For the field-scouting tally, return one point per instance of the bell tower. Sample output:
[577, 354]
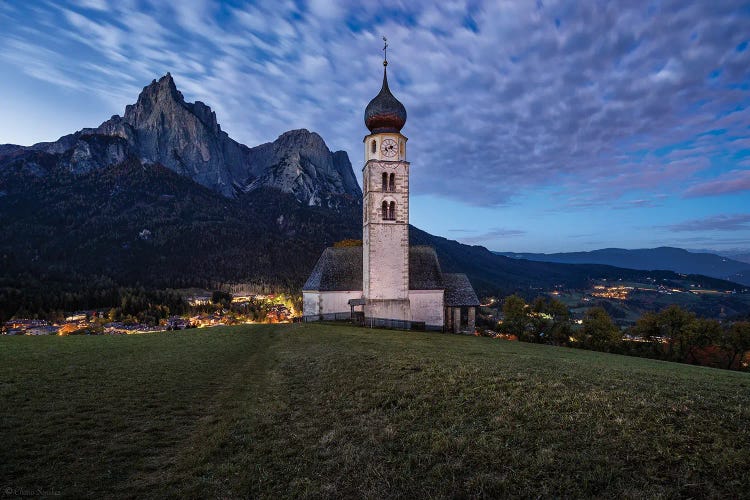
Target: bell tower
[385, 207]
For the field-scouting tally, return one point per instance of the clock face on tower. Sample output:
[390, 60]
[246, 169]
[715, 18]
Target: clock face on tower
[389, 148]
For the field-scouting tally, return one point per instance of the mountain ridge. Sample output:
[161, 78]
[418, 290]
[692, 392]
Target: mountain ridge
[161, 127]
[665, 258]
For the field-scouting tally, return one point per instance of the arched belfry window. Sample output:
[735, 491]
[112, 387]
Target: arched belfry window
[388, 210]
[389, 182]
[373, 147]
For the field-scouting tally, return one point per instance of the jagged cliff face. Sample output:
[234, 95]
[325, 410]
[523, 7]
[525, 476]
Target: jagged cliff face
[186, 138]
[299, 162]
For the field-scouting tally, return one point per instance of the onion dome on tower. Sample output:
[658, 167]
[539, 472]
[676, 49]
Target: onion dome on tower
[385, 113]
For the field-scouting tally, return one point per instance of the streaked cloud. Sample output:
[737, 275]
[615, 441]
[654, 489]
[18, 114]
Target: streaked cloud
[518, 94]
[491, 235]
[731, 182]
[729, 222]
[599, 105]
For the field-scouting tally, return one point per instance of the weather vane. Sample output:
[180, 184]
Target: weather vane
[385, 51]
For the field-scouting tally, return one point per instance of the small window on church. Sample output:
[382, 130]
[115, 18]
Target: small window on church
[385, 210]
[392, 211]
[373, 147]
[385, 181]
[392, 183]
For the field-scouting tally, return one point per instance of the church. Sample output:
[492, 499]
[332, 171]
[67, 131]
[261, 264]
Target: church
[386, 281]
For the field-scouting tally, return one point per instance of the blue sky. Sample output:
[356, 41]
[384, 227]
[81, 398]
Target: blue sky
[533, 126]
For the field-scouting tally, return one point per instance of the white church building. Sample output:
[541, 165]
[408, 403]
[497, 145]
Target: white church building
[386, 281]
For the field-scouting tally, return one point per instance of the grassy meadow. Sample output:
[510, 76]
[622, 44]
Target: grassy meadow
[333, 411]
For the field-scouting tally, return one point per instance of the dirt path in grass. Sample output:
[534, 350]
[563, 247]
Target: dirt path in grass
[183, 469]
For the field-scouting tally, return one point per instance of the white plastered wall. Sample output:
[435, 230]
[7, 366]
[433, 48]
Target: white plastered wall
[336, 302]
[427, 306]
[310, 303]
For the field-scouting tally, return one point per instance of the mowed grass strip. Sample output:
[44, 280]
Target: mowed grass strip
[333, 411]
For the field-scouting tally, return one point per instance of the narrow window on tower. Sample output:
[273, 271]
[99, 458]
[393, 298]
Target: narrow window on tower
[385, 210]
[402, 149]
[385, 181]
[373, 147]
[392, 183]
[392, 211]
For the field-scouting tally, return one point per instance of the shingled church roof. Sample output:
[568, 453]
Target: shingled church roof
[340, 269]
[458, 291]
[424, 269]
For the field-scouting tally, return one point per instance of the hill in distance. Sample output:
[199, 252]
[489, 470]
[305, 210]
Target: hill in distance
[667, 258]
[487, 269]
[742, 255]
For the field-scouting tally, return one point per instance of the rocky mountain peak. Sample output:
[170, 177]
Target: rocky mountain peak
[300, 137]
[205, 114]
[155, 96]
[307, 143]
[161, 127]
[299, 162]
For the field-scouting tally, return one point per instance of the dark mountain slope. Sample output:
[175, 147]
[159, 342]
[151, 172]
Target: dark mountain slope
[144, 224]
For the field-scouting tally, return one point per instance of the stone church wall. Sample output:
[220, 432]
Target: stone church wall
[388, 267]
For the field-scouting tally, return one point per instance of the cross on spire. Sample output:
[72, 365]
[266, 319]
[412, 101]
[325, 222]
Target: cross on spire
[385, 51]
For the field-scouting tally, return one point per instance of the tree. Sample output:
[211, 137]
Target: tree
[672, 327]
[561, 328]
[222, 298]
[647, 327]
[699, 334]
[561, 332]
[539, 322]
[348, 243]
[515, 316]
[598, 331]
[736, 341]
[676, 325]
[548, 322]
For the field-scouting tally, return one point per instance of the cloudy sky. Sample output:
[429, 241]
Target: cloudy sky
[533, 126]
